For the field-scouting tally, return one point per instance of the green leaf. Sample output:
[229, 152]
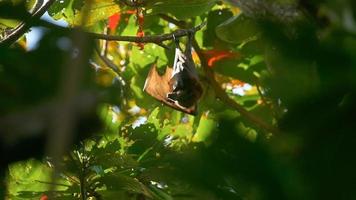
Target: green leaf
[237, 29]
[144, 137]
[205, 130]
[31, 176]
[73, 11]
[144, 58]
[65, 9]
[246, 132]
[181, 9]
[230, 68]
[215, 18]
[129, 27]
[122, 182]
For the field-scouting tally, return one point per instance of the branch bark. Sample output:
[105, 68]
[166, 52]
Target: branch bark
[150, 38]
[21, 29]
[34, 20]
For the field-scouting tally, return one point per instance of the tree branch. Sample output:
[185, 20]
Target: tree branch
[21, 29]
[150, 38]
[157, 39]
[107, 62]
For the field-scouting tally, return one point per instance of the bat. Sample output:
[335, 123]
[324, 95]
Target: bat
[179, 87]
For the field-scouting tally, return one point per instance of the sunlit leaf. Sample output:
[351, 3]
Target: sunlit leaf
[181, 9]
[237, 29]
[77, 12]
[205, 131]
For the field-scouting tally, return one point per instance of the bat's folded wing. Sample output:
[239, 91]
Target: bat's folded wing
[158, 87]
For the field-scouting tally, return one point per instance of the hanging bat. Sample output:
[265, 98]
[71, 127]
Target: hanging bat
[179, 87]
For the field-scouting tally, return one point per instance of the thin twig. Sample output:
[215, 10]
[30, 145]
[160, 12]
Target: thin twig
[112, 66]
[104, 49]
[163, 45]
[107, 62]
[150, 38]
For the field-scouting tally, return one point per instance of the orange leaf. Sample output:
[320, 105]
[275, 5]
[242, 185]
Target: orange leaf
[140, 32]
[114, 21]
[44, 197]
[237, 82]
[131, 12]
[216, 55]
[140, 19]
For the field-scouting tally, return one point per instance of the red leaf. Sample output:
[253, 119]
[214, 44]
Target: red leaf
[114, 21]
[140, 19]
[216, 55]
[131, 12]
[140, 32]
[44, 197]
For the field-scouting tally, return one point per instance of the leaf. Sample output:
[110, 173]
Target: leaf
[217, 55]
[114, 20]
[144, 137]
[73, 11]
[122, 182]
[237, 29]
[65, 9]
[153, 118]
[12, 12]
[145, 57]
[247, 132]
[230, 69]
[205, 130]
[152, 25]
[130, 28]
[181, 9]
[29, 176]
[215, 18]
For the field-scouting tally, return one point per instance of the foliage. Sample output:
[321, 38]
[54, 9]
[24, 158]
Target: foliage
[276, 120]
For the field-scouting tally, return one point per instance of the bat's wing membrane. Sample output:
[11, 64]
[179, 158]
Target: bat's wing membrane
[158, 87]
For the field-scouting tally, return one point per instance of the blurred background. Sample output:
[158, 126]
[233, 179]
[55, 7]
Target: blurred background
[276, 119]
